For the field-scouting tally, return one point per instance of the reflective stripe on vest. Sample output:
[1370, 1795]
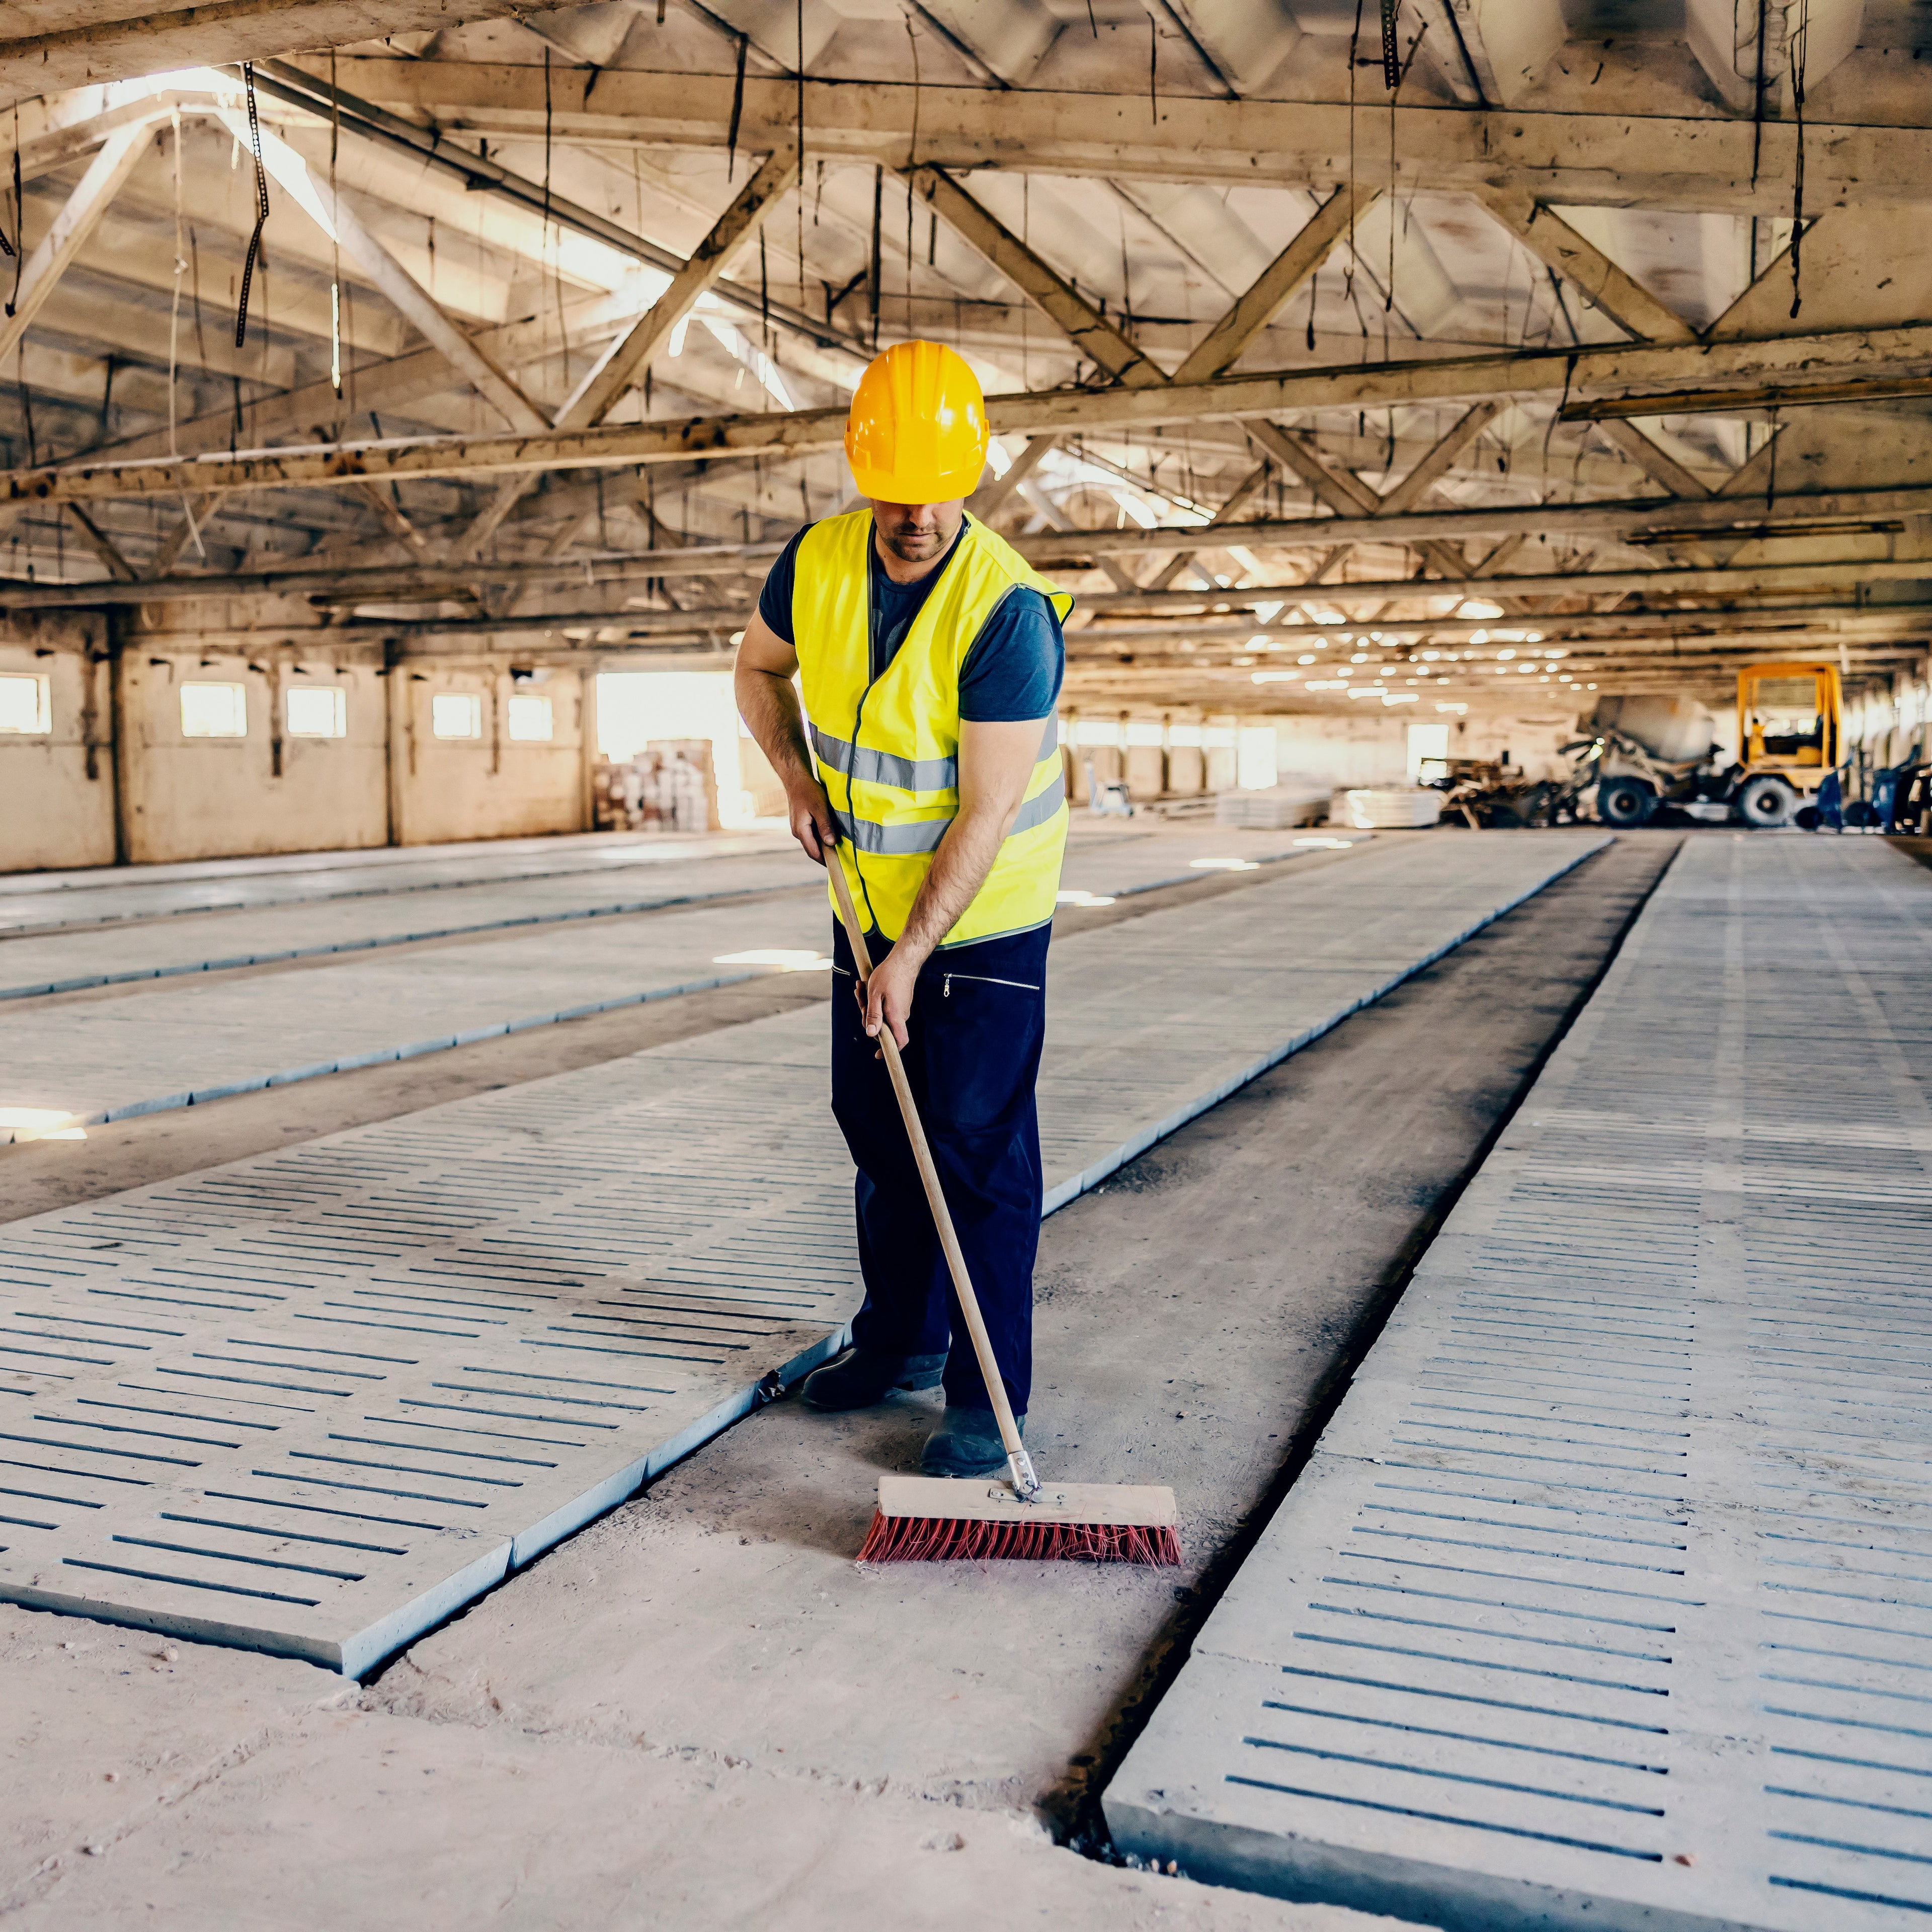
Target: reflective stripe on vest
[909, 774]
[887, 748]
[923, 835]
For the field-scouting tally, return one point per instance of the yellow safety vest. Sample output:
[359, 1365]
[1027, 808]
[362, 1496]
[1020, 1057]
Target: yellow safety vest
[888, 750]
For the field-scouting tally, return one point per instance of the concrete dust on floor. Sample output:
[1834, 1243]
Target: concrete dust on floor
[355, 1818]
[105, 1729]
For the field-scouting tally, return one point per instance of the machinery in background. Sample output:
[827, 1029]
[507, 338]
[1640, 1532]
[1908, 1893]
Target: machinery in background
[1649, 752]
[1488, 794]
[1791, 731]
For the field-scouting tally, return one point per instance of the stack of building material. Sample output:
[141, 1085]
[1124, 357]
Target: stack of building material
[1294, 801]
[1392, 807]
[668, 787]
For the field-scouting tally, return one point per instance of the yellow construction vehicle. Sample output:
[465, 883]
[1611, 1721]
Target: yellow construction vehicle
[1790, 733]
[1649, 753]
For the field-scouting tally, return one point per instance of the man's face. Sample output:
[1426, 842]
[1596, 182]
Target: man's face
[918, 532]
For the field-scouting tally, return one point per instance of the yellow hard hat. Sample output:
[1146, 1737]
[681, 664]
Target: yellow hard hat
[917, 431]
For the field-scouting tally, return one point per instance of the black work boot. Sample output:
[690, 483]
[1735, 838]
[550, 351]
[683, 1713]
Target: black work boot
[861, 1377]
[967, 1443]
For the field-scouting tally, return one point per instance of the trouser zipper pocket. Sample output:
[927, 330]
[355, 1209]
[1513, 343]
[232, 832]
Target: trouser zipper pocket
[981, 979]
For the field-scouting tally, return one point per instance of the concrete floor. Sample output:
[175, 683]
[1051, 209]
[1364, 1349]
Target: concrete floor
[699, 1711]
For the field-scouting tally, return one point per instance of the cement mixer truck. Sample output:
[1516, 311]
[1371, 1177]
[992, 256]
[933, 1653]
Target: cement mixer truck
[1650, 753]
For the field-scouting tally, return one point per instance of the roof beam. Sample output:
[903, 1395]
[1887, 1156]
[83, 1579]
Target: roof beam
[1803, 629]
[1346, 494]
[103, 545]
[1656, 463]
[365, 120]
[71, 228]
[609, 379]
[1612, 370]
[127, 43]
[390, 384]
[1621, 159]
[1016, 472]
[186, 529]
[410, 299]
[1277, 285]
[1426, 474]
[398, 524]
[355, 584]
[1083, 324]
[1552, 240]
[1232, 505]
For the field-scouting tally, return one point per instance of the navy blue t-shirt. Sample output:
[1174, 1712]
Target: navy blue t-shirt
[1013, 671]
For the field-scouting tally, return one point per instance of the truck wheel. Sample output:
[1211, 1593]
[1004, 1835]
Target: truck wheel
[1625, 802]
[1766, 800]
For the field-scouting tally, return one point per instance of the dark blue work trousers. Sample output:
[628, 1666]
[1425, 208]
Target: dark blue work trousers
[979, 1019]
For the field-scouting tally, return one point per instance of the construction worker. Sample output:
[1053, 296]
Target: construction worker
[926, 761]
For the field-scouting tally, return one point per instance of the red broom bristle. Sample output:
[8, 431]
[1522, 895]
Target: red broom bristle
[920, 1539]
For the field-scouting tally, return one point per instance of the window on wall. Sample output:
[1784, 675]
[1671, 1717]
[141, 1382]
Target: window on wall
[318, 711]
[531, 720]
[456, 714]
[1428, 753]
[1254, 757]
[214, 711]
[26, 707]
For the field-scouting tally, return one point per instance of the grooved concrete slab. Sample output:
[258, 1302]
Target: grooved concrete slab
[48, 902]
[157, 1047]
[315, 914]
[180, 1041]
[314, 928]
[1605, 1600]
[313, 1401]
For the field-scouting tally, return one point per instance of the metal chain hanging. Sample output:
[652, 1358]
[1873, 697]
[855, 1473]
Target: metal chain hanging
[1391, 54]
[261, 205]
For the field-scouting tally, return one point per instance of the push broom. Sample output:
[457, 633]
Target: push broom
[929, 1518]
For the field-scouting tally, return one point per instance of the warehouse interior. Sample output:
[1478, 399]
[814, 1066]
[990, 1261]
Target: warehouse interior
[1486, 1111]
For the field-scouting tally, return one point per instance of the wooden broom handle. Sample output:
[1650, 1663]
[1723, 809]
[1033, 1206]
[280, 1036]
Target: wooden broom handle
[1025, 1483]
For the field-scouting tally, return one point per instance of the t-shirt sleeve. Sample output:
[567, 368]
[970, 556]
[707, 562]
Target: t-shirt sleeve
[1014, 670]
[775, 599]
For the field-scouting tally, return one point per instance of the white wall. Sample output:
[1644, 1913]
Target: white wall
[211, 798]
[1889, 724]
[160, 795]
[493, 787]
[1367, 749]
[57, 789]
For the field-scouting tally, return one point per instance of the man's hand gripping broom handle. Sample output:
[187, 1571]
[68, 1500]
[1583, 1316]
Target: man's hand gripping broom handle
[1026, 1484]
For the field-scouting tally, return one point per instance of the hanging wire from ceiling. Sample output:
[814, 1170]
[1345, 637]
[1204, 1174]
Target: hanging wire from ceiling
[261, 210]
[1798, 53]
[737, 111]
[335, 245]
[174, 332]
[17, 247]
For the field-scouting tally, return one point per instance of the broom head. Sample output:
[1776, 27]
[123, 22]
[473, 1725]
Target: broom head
[928, 1519]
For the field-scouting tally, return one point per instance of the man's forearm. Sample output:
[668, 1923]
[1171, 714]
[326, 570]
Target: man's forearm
[958, 870]
[769, 705]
